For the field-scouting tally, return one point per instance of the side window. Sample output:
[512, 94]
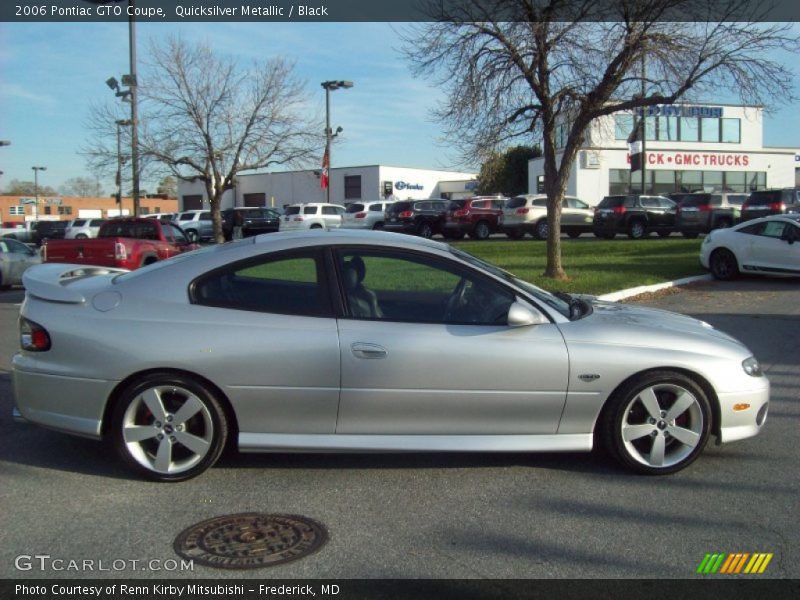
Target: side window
[773, 229]
[376, 208]
[206, 216]
[666, 203]
[575, 203]
[716, 200]
[18, 248]
[650, 202]
[287, 284]
[629, 202]
[331, 210]
[498, 204]
[406, 287]
[177, 234]
[309, 210]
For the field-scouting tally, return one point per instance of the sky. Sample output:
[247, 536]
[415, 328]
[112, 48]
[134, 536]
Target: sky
[52, 73]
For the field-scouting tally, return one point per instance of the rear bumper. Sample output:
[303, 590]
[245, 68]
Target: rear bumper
[68, 404]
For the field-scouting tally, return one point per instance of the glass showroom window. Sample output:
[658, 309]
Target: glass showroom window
[731, 130]
[689, 181]
[667, 128]
[664, 182]
[735, 181]
[709, 130]
[712, 180]
[690, 131]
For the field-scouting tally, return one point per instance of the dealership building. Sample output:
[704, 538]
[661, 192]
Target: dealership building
[688, 148]
[347, 185]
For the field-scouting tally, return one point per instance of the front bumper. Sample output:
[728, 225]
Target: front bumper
[745, 422]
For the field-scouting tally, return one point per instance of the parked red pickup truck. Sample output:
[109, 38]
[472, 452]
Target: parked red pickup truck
[122, 243]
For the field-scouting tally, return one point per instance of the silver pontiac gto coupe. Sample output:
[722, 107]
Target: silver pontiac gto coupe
[324, 341]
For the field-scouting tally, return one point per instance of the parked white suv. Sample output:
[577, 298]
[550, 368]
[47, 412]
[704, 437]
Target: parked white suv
[365, 215]
[196, 224]
[81, 229]
[314, 215]
[528, 214]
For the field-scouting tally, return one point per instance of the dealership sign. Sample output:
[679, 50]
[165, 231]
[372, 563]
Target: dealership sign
[670, 110]
[696, 159]
[402, 185]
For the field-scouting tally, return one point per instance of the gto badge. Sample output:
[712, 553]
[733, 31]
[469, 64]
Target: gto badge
[587, 377]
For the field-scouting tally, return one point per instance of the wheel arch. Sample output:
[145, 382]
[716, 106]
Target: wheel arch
[116, 394]
[701, 381]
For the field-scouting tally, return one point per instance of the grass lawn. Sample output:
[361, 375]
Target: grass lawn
[595, 266]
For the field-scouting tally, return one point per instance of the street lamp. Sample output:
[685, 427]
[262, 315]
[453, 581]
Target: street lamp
[5, 143]
[36, 190]
[330, 86]
[120, 123]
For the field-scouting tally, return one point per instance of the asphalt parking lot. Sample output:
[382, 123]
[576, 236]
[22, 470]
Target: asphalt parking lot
[434, 515]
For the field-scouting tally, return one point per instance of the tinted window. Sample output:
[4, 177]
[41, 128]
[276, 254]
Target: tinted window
[399, 286]
[540, 202]
[331, 210]
[206, 216]
[354, 208]
[650, 203]
[309, 210]
[292, 210]
[456, 204]
[78, 223]
[96, 222]
[132, 229]
[289, 284]
[186, 216]
[736, 199]
[764, 198]
[400, 206]
[611, 201]
[691, 200]
[376, 208]
[517, 202]
[575, 203]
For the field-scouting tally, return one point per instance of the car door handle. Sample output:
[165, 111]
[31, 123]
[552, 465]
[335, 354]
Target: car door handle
[363, 350]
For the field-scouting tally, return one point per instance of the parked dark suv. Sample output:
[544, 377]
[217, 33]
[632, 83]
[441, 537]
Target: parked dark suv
[422, 217]
[771, 202]
[253, 220]
[634, 214]
[701, 212]
[48, 230]
[479, 217]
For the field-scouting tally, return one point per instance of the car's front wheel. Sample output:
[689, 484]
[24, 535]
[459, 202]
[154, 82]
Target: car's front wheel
[636, 230]
[168, 427]
[542, 229]
[482, 230]
[723, 264]
[657, 423]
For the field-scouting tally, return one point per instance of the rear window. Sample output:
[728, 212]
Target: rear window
[354, 208]
[764, 198]
[292, 210]
[737, 199]
[611, 202]
[456, 204]
[401, 206]
[138, 230]
[78, 223]
[539, 202]
[517, 202]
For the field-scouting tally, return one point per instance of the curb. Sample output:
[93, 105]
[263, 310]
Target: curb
[644, 289]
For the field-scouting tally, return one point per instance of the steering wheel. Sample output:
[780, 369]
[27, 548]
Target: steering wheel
[456, 300]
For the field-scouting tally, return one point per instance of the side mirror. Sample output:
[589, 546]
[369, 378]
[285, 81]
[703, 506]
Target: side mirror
[522, 315]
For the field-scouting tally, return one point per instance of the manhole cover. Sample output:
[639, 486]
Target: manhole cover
[250, 540]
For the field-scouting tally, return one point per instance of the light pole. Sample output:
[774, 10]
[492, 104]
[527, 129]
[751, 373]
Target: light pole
[120, 123]
[36, 190]
[5, 143]
[329, 135]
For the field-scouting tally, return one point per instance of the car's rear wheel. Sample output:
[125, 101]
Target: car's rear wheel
[168, 427]
[481, 231]
[723, 264]
[542, 229]
[657, 423]
[425, 230]
[636, 230]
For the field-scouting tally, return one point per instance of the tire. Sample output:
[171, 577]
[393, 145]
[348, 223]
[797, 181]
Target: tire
[641, 431]
[81, 236]
[515, 234]
[690, 235]
[573, 234]
[192, 236]
[481, 231]
[723, 264]
[151, 407]
[425, 230]
[636, 230]
[541, 230]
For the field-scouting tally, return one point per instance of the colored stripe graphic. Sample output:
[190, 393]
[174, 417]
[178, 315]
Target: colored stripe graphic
[735, 563]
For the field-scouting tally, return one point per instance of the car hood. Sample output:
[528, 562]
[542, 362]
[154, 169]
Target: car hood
[623, 324]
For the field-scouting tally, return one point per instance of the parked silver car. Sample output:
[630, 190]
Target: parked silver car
[416, 346]
[81, 229]
[15, 258]
[365, 215]
[197, 224]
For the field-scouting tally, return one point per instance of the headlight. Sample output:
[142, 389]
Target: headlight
[751, 367]
[707, 239]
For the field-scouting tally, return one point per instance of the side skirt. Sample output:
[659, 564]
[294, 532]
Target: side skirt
[288, 442]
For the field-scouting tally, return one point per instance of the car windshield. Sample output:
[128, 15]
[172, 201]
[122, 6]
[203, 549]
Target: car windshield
[552, 301]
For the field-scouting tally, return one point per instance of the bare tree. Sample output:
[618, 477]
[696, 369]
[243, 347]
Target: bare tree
[521, 68]
[203, 117]
[81, 186]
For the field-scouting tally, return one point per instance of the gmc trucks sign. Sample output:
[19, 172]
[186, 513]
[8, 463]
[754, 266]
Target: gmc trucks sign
[696, 159]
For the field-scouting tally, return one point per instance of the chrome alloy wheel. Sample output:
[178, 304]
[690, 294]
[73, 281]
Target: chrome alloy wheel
[662, 426]
[167, 429]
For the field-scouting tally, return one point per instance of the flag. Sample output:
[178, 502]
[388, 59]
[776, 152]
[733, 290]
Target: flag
[326, 163]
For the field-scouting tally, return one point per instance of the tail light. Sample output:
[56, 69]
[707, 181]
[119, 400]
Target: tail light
[33, 337]
[619, 210]
[522, 211]
[779, 206]
[361, 215]
[462, 212]
[704, 208]
[120, 251]
[298, 219]
[406, 214]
